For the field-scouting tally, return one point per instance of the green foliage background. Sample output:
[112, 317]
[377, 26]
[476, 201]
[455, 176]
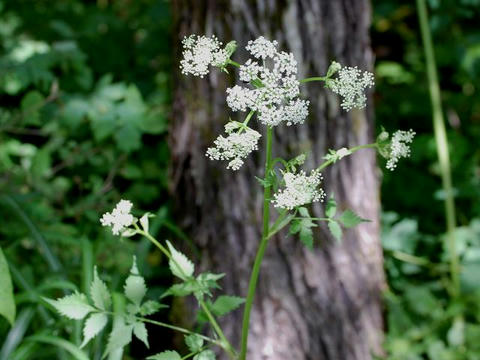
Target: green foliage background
[85, 94]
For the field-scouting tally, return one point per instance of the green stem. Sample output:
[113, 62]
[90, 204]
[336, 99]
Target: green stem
[234, 63]
[225, 343]
[261, 250]
[177, 328]
[442, 144]
[316, 78]
[162, 248]
[351, 150]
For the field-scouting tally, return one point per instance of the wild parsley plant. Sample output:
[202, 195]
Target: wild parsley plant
[271, 93]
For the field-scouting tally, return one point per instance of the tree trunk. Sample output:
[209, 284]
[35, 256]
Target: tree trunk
[324, 304]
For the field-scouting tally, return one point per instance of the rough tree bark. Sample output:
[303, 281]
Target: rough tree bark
[324, 304]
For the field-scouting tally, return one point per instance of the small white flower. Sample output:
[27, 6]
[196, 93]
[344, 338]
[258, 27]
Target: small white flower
[249, 71]
[120, 218]
[239, 143]
[350, 85]
[199, 52]
[241, 99]
[275, 96]
[399, 147]
[300, 189]
[262, 48]
[295, 112]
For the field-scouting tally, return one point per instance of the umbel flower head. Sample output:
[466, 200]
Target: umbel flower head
[300, 189]
[237, 145]
[199, 52]
[399, 147]
[120, 218]
[275, 90]
[350, 84]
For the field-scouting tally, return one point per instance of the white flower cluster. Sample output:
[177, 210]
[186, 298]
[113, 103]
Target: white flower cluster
[399, 147]
[300, 189]
[350, 85]
[200, 52]
[120, 218]
[239, 143]
[275, 96]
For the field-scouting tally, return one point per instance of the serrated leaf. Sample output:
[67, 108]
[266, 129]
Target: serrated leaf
[331, 207]
[73, 306]
[205, 355]
[99, 292]
[140, 331]
[295, 226]
[166, 355]
[350, 219]
[194, 342]
[135, 288]
[180, 265]
[225, 304]
[7, 301]
[306, 236]
[120, 337]
[180, 290]
[150, 307]
[303, 212]
[94, 324]
[204, 282]
[335, 229]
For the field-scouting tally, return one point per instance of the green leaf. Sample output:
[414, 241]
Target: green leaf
[206, 281]
[120, 337]
[135, 288]
[144, 221]
[194, 342]
[73, 306]
[456, 334]
[57, 342]
[205, 355]
[331, 207]
[31, 104]
[180, 290]
[94, 324]
[306, 235]
[304, 212]
[295, 226]
[140, 331]
[180, 265]
[128, 137]
[99, 292]
[7, 301]
[225, 304]
[350, 219]
[166, 355]
[335, 229]
[150, 307]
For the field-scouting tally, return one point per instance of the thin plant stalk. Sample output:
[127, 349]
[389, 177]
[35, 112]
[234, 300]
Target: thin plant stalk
[441, 142]
[261, 250]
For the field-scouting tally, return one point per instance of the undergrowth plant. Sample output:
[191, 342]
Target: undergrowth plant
[270, 92]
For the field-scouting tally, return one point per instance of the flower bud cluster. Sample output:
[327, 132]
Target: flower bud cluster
[276, 88]
[236, 146]
[120, 218]
[299, 190]
[399, 147]
[350, 84]
[199, 53]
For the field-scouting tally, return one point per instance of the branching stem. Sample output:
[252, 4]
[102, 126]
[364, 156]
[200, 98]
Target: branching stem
[261, 250]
